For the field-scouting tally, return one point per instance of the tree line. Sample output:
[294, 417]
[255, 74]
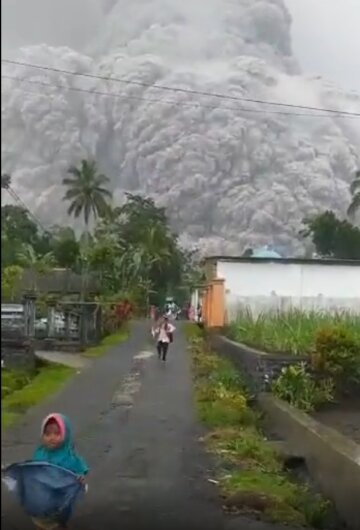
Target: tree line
[334, 237]
[131, 247]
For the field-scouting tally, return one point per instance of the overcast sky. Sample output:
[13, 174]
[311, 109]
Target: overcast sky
[326, 38]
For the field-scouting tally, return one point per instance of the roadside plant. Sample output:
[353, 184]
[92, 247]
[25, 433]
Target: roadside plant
[251, 474]
[337, 353]
[299, 388]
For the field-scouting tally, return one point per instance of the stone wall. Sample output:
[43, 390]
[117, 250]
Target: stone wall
[17, 353]
[333, 460]
[259, 368]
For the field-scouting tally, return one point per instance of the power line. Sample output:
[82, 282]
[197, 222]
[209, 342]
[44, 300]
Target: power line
[15, 196]
[167, 102]
[178, 89]
[5, 184]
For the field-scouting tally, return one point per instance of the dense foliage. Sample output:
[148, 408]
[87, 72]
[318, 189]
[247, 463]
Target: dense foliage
[333, 237]
[131, 248]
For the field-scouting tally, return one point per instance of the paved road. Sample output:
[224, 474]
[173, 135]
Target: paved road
[134, 422]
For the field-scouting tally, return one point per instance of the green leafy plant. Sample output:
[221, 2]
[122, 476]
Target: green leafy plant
[337, 353]
[10, 278]
[299, 388]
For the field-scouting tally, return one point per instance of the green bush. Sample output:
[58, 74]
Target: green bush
[337, 353]
[299, 388]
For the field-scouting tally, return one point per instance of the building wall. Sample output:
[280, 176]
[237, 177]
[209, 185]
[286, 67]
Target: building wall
[272, 285]
[210, 269]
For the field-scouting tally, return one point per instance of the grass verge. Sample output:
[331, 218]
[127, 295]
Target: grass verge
[37, 387]
[111, 340]
[252, 478]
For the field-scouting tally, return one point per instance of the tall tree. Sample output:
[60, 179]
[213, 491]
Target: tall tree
[355, 193]
[134, 249]
[17, 229]
[86, 191]
[65, 246]
[16, 223]
[333, 237]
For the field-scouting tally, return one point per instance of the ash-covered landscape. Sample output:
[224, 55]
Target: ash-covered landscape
[231, 173]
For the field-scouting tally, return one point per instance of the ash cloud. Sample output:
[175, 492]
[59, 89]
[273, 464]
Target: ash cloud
[230, 178]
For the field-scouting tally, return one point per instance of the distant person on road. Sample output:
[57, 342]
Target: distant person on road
[163, 332]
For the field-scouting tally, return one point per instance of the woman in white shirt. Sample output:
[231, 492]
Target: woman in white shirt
[164, 335]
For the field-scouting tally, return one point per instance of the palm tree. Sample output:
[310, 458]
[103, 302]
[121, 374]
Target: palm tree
[355, 192]
[86, 191]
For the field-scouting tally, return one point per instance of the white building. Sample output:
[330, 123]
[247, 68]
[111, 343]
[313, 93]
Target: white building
[262, 284]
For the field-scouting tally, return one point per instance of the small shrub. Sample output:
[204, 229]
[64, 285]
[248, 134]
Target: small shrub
[299, 388]
[244, 446]
[205, 364]
[12, 380]
[224, 413]
[229, 377]
[337, 353]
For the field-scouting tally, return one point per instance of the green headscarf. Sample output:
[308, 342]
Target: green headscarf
[65, 455]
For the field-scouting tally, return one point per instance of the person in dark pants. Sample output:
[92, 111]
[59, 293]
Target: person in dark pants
[164, 335]
[162, 348]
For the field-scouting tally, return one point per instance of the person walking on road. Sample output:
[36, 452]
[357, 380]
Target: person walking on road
[163, 332]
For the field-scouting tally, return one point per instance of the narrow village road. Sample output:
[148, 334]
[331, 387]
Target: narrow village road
[135, 424]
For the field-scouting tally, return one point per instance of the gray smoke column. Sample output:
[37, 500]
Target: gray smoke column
[231, 173]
